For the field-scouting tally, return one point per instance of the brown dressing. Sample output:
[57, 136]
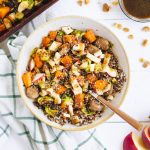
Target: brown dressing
[138, 8]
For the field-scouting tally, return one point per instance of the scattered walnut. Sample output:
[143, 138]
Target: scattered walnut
[80, 2]
[126, 29]
[141, 60]
[131, 36]
[115, 2]
[115, 25]
[146, 28]
[118, 25]
[146, 64]
[106, 7]
[145, 42]
[87, 1]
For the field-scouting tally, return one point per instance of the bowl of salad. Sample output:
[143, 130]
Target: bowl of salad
[61, 62]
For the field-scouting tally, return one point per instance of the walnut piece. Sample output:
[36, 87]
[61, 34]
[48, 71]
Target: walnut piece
[87, 1]
[146, 29]
[130, 36]
[145, 42]
[118, 25]
[80, 2]
[126, 29]
[146, 64]
[106, 7]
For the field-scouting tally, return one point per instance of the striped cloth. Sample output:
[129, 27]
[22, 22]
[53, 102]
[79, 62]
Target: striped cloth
[15, 116]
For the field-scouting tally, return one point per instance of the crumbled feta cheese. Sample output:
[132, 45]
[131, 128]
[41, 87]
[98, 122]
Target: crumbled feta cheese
[98, 53]
[112, 72]
[76, 87]
[70, 108]
[57, 58]
[93, 58]
[92, 66]
[54, 46]
[75, 70]
[67, 29]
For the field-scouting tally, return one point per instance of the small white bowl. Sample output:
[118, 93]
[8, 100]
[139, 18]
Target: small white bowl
[76, 22]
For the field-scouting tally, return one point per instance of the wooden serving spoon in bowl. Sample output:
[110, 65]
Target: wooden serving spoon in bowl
[137, 125]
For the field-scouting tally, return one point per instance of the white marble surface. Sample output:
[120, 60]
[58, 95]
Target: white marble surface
[137, 102]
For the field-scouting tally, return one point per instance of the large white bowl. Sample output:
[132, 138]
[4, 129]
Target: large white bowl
[76, 22]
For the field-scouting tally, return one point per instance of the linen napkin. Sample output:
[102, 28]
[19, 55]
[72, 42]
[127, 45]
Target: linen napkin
[15, 116]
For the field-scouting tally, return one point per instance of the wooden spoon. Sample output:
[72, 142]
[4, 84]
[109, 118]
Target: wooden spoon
[138, 126]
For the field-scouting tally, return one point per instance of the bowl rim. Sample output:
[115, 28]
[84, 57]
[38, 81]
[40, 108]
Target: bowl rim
[89, 126]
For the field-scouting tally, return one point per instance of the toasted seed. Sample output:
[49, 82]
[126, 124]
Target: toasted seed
[141, 60]
[145, 42]
[126, 29]
[115, 2]
[80, 2]
[106, 7]
[130, 36]
[118, 25]
[146, 29]
[87, 1]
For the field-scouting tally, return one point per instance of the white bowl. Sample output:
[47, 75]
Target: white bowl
[76, 22]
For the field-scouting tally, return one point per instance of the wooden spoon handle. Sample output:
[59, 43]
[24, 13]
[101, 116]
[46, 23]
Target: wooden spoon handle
[127, 118]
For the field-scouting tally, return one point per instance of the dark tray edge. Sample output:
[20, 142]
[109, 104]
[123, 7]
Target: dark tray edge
[26, 20]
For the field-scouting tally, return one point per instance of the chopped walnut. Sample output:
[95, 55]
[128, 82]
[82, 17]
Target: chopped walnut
[146, 64]
[131, 36]
[115, 2]
[126, 29]
[146, 28]
[145, 42]
[87, 1]
[106, 7]
[80, 2]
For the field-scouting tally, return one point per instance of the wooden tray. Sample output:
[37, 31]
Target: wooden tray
[32, 14]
